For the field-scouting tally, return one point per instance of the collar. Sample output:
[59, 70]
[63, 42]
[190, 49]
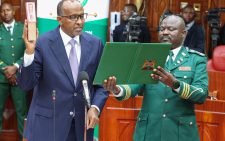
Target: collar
[66, 38]
[11, 24]
[176, 51]
[189, 25]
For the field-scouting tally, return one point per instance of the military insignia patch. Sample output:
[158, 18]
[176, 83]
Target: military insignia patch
[148, 65]
[185, 68]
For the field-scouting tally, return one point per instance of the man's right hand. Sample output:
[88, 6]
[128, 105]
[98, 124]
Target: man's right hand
[30, 45]
[110, 85]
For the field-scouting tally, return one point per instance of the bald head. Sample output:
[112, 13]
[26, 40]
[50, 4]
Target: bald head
[63, 4]
[172, 30]
[176, 20]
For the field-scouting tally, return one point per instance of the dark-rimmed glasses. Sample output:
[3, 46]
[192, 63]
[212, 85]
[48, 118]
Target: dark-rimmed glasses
[76, 17]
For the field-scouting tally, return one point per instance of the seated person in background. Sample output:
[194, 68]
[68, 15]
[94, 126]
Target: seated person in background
[195, 38]
[120, 33]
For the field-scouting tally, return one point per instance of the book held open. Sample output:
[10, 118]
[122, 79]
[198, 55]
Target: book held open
[131, 63]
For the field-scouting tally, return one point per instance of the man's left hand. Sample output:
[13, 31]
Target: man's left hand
[163, 76]
[92, 117]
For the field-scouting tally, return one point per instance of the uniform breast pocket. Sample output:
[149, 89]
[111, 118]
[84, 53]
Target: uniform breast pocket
[141, 127]
[2, 42]
[188, 130]
[185, 76]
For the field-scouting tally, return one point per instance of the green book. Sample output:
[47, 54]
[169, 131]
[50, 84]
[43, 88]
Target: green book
[131, 63]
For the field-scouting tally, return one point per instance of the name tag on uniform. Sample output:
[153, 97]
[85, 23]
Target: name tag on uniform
[185, 68]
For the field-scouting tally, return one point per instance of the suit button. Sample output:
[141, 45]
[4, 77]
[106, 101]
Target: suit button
[11, 39]
[164, 115]
[191, 123]
[13, 54]
[71, 113]
[75, 94]
[12, 46]
[166, 100]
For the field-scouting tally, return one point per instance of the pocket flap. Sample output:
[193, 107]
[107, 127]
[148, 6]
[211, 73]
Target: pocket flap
[188, 120]
[142, 116]
[44, 112]
[183, 75]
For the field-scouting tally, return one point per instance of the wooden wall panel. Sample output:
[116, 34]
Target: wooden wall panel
[212, 125]
[217, 83]
[154, 11]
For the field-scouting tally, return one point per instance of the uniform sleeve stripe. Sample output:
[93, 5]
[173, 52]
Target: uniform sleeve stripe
[128, 92]
[198, 89]
[188, 91]
[184, 90]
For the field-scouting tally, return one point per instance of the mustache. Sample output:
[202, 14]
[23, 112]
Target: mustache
[165, 38]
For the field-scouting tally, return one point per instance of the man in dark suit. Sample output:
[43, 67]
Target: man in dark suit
[11, 52]
[195, 38]
[57, 110]
[120, 33]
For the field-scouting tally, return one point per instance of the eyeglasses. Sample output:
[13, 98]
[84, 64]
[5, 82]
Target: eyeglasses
[76, 17]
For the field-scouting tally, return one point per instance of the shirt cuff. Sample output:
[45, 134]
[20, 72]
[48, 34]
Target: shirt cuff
[28, 59]
[177, 90]
[94, 106]
[17, 65]
[120, 93]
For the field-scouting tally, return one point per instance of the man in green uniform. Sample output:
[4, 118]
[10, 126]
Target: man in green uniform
[167, 112]
[11, 51]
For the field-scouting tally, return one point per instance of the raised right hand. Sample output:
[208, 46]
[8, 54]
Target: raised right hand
[110, 85]
[30, 45]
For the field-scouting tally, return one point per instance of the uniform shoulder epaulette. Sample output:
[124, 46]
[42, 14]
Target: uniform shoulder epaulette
[195, 52]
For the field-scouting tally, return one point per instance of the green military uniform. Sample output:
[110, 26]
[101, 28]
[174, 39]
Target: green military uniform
[11, 51]
[165, 114]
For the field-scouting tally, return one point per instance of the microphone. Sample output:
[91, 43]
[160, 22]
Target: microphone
[83, 77]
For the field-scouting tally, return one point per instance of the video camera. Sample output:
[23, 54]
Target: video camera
[213, 17]
[133, 27]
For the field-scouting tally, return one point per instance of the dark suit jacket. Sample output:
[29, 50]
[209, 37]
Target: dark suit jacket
[119, 36]
[50, 71]
[195, 38]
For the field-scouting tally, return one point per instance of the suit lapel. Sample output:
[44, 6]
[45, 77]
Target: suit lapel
[85, 54]
[180, 59]
[59, 51]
